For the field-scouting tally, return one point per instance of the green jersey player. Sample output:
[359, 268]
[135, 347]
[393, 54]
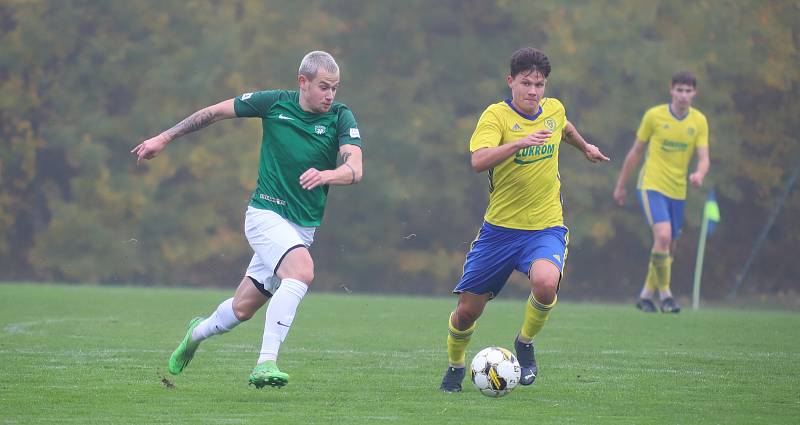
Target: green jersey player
[304, 133]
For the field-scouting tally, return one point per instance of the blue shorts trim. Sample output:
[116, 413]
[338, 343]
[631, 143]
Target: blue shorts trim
[498, 251]
[658, 208]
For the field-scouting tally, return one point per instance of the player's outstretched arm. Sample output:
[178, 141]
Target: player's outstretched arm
[486, 158]
[631, 161]
[349, 172]
[592, 152]
[150, 148]
[703, 164]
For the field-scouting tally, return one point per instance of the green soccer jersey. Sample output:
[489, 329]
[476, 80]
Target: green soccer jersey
[293, 141]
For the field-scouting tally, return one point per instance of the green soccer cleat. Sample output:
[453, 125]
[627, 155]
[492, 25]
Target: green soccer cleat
[267, 373]
[185, 351]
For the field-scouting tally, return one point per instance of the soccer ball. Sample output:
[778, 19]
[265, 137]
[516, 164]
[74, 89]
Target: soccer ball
[495, 371]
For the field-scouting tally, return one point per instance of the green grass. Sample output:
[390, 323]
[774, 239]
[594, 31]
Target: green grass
[80, 354]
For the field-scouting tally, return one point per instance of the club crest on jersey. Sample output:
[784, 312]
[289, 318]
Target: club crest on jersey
[690, 131]
[550, 124]
[516, 127]
[319, 129]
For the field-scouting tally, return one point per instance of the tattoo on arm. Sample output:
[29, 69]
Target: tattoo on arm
[572, 137]
[353, 181]
[345, 156]
[198, 120]
[568, 133]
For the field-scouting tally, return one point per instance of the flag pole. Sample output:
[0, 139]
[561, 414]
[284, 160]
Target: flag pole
[698, 265]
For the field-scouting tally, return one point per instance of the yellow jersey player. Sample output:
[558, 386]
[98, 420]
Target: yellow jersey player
[518, 141]
[670, 134]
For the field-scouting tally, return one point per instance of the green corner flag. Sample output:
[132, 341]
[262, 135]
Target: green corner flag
[710, 220]
[711, 211]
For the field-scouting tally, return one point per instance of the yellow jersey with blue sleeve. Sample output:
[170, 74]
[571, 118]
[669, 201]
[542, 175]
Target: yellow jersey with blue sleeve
[671, 141]
[524, 189]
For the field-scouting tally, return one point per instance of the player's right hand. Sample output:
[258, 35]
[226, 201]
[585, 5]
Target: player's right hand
[619, 195]
[150, 148]
[534, 139]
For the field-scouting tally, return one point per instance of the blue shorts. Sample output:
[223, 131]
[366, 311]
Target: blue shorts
[498, 251]
[659, 208]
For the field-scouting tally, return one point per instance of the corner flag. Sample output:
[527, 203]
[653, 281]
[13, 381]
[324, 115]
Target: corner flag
[711, 211]
[710, 220]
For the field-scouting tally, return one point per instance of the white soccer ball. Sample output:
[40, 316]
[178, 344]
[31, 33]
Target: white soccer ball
[495, 371]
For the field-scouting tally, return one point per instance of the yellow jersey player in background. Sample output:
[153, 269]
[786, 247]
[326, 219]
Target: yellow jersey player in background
[518, 142]
[670, 134]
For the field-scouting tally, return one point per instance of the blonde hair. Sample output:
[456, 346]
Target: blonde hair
[315, 60]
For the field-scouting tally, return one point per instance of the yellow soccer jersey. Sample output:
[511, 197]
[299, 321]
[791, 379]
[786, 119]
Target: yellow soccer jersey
[672, 142]
[524, 190]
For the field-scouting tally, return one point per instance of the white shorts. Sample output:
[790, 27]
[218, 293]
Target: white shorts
[271, 237]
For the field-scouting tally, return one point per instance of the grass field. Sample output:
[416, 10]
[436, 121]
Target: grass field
[81, 354]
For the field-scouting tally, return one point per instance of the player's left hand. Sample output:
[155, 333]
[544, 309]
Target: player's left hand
[313, 178]
[150, 148]
[696, 179]
[593, 154]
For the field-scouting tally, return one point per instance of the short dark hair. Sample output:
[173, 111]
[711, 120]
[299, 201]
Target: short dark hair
[684, 77]
[529, 59]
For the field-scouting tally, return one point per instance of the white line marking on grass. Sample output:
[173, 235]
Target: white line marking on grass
[341, 352]
[630, 369]
[79, 353]
[22, 328]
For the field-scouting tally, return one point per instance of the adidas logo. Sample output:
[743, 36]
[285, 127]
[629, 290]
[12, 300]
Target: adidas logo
[516, 127]
[557, 257]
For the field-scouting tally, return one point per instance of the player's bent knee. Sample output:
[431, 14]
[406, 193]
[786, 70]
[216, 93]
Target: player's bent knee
[243, 312]
[297, 265]
[662, 237]
[244, 308]
[545, 297]
[305, 276]
[663, 240]
[465, 316]
[545, 290]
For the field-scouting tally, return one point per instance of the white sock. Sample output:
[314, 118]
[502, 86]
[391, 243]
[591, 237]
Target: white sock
[221, 321]
[280, 314]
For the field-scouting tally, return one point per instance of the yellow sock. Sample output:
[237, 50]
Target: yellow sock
[536, 315]
[457, 343]
[661, 264]
[667, 274]
[650, 282]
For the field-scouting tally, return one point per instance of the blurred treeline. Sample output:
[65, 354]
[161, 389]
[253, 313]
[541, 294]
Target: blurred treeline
[82, 82]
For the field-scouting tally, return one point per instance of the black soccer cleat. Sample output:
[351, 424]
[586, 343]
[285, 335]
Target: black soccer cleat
[527, 361]
[646, 305]
[670, 306]
[451, 383]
